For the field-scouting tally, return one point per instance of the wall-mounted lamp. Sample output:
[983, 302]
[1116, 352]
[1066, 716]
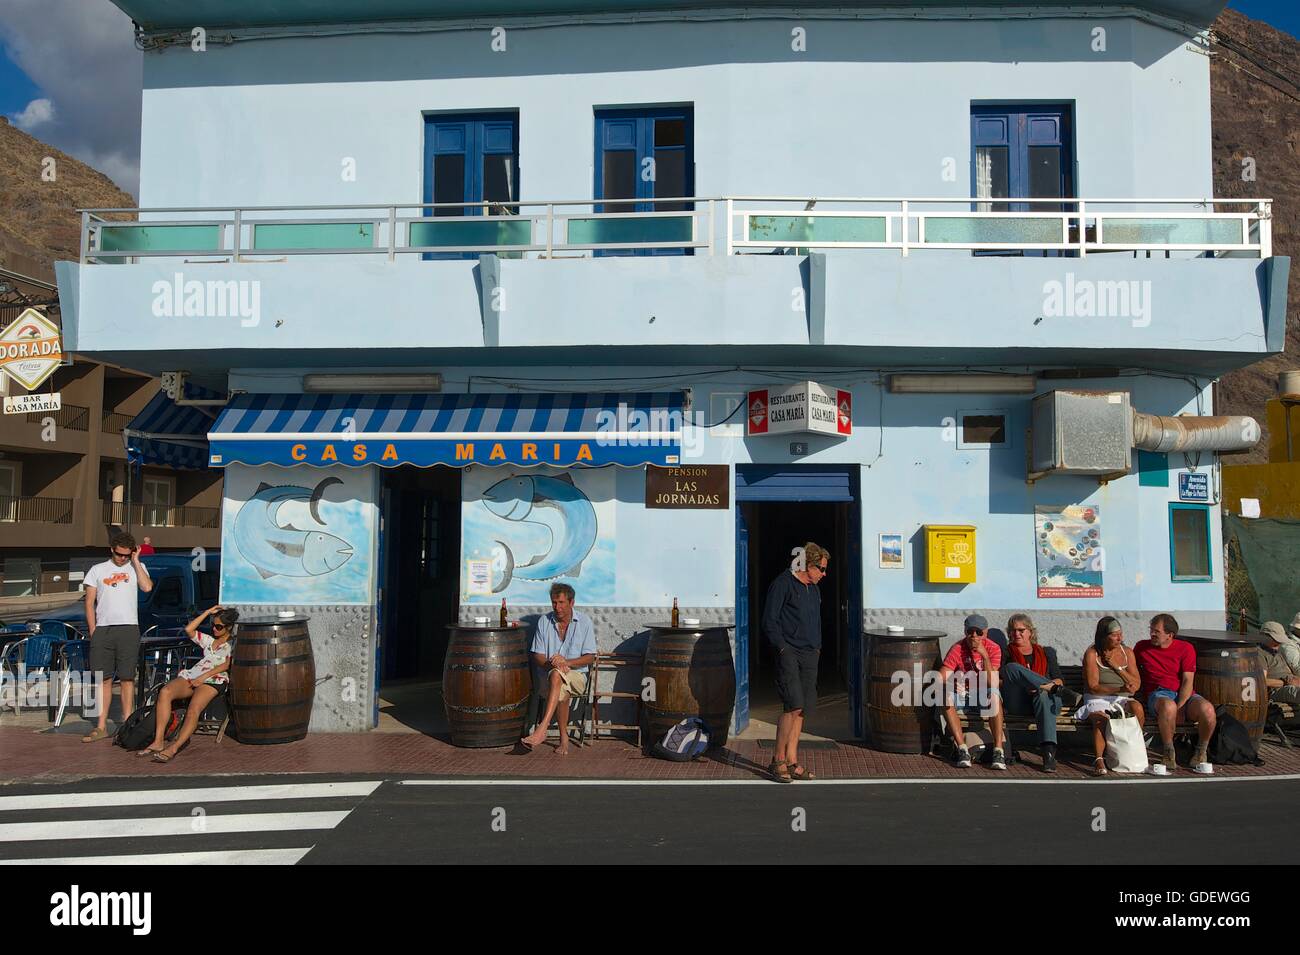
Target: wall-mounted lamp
[372, 383]
[963, 384]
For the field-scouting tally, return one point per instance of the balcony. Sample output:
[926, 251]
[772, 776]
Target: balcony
[151, 517]
[36, 510]
[112, 422]
[1187, 285]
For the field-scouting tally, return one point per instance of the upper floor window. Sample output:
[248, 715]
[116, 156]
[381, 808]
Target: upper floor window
[468, 159]
[644, 153]
[1022, 152]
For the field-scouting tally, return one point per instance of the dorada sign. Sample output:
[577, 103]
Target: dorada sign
[805, 407]
[29, 404]
[30, 349]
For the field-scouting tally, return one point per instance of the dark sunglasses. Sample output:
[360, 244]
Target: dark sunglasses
[118, 553]
[822, 568]
[219, 628]
[974, 630]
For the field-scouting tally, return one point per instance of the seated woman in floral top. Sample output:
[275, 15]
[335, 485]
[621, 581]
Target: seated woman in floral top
[199, 684]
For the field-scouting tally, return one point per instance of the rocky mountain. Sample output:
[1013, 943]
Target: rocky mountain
[1255, 102]
[39, 223]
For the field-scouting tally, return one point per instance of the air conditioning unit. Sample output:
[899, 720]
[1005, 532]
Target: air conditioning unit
[1081, 432]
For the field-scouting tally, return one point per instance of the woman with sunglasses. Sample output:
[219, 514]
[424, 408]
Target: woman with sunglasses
[200, 684]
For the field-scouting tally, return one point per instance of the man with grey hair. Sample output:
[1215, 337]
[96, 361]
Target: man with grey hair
[564, 645]
[1281, 656]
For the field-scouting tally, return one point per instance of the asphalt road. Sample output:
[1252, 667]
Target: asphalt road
[342, 819]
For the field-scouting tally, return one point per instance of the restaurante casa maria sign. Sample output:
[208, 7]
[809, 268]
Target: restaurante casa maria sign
[30, 349]
[692, 487]
[803, 407]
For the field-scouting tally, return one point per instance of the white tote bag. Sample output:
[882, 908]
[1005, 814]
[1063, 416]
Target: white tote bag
[1126, 749]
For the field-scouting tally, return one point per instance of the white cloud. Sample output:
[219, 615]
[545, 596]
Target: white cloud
[82, 56]
[36, 113]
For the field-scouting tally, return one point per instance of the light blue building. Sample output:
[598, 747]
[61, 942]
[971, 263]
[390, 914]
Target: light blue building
[429, 250]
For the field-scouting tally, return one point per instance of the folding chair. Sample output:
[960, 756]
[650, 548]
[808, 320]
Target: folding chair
[580, 707]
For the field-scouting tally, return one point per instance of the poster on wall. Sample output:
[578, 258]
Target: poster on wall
[533, 527]
[298, 535]
[1068, 548]
[891, 552]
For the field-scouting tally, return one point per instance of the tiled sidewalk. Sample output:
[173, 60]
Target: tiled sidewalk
[27, 756]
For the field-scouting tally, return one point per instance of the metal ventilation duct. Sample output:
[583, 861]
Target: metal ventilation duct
[1194, 432]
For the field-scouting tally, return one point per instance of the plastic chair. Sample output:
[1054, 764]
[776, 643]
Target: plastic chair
[27, 659]
[72, 658]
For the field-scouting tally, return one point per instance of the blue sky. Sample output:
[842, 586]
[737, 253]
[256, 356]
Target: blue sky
[1281, 14]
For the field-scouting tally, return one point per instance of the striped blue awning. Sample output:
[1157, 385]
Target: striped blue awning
[587, 430]
[169, 434]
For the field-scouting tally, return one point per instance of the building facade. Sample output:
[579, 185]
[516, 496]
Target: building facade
[465, 280]
[65, 482]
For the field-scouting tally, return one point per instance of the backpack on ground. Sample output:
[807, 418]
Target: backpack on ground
[1231, 744]
[137, 730]
[684, 742]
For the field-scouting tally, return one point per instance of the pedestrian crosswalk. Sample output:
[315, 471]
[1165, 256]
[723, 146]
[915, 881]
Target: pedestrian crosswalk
[274, 824]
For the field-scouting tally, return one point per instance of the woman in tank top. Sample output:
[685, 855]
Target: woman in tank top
[1110, 676]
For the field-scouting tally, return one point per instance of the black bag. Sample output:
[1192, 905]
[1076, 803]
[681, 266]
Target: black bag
[136, 731]
[685, 741]
[1231, 745]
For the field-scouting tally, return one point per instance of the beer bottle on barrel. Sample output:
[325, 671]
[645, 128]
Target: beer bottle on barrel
[504, 622]
[676, 618]
[1241, 621]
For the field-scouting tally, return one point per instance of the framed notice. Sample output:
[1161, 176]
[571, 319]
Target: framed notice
[1070, 560]
[891, 552]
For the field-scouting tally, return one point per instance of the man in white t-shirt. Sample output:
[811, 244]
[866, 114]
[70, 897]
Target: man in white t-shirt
[112, 614]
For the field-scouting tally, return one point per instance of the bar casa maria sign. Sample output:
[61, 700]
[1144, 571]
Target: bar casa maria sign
[30, 349]
[806, 407]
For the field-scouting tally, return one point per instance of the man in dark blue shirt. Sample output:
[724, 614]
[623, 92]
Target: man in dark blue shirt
[792, 623]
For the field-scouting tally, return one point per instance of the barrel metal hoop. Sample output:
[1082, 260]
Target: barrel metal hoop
[487, 709]
[274, 661]
[269, 706]
[481, 667]
[263, 641]
[253, 731]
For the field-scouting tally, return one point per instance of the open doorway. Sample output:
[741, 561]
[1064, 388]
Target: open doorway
[782, 512]
[420, 508]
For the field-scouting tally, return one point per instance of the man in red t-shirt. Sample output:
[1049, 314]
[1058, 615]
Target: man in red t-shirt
[1168, 667]
[970, 675]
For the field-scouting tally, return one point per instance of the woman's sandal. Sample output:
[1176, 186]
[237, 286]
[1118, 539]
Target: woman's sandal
[160, 757]
[1099, 766]
[780, 771]
[147, 752]
[798, 772]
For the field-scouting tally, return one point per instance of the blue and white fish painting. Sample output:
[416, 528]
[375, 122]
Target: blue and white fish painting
[273, 545]
[553, 503]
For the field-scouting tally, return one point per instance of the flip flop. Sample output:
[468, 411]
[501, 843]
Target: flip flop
[161, 757]
[95, 734]
[800, 773]
[147, 752]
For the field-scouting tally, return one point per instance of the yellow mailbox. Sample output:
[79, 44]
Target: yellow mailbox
[949, 553]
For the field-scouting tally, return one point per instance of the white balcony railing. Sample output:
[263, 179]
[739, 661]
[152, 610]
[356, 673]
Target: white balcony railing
[724, 226]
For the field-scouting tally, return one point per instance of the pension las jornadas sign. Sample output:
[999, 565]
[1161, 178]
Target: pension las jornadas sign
[803, 408]
[30, 349]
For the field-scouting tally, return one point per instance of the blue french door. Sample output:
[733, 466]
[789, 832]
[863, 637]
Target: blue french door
[741, 718]
[471, 158]
[644, 154]
[1022, 152]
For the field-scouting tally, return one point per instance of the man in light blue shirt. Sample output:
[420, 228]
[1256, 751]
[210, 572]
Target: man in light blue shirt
[564, 645]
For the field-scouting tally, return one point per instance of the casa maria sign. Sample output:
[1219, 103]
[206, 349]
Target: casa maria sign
[804, 408]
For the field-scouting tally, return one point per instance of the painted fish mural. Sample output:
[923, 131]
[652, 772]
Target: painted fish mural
[272, 547]
[555, 504]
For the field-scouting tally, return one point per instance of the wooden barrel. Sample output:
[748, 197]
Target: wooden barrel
[486, 685]
[905, 726]
[693, 675]
[1231, 674]
[272, 680]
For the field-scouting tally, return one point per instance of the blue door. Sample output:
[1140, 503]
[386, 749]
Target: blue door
[1022, 152]
[468, 159]
[644, 154]
[741, 719]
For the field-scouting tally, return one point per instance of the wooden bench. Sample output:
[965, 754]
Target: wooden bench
[1072, 677]
[1282, 720]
